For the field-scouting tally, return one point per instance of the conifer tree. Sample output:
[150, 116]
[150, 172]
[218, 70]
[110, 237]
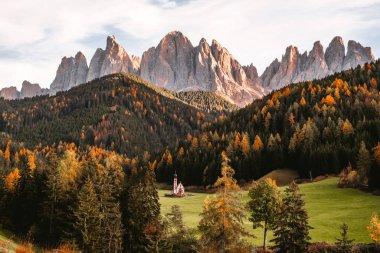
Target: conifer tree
[291, 233]
[140, 211]
[88, 217]
[221, 223]
[344, 244]
[363, 160]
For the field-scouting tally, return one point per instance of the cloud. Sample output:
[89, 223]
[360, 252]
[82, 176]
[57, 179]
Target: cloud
[35, 35]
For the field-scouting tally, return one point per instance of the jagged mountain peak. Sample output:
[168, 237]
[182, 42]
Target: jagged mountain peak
[316, 64]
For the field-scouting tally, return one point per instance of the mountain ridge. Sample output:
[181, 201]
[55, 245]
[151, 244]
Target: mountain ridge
[177, 65]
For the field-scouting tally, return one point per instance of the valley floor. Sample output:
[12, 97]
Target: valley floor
[328, 207]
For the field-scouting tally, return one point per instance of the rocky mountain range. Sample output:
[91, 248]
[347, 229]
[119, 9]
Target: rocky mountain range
[27, 90]
[177, 65]
[295, 67]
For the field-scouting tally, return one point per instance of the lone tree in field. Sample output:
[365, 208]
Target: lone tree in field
[264, 204]
[221, 225]
[291, 233]
[344, 244]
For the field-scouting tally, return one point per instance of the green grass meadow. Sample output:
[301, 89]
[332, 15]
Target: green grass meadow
[328, 207]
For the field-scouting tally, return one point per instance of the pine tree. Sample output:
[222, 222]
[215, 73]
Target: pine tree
[291, 233]
[264, 203]
[88, 217]
[109, 189]
[179, 238]
[344, 244]
[221, 223]
[140, 211]
[363, 160]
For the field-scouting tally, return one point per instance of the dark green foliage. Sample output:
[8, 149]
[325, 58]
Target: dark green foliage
[344, 244]
[263, 205]
[206, 101]
[141, 211]
[317, 137]
[178, 238]
[87, 217]
[291, 233]
[120, 112]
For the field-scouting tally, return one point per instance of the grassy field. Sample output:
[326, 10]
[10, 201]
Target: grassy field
[327, 205]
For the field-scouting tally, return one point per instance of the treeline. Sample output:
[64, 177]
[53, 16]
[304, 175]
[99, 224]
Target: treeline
[118, 112]
[71, 200]
[314, 127]
[206, 101]
[93, 200]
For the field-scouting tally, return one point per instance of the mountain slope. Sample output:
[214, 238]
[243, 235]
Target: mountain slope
[120, 111]
[314, 127]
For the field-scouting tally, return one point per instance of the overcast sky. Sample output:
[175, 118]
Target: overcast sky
[36, 34]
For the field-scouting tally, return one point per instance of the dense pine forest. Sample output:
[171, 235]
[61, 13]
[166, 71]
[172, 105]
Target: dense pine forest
[119, 112]
[316, 127]
[79, 169]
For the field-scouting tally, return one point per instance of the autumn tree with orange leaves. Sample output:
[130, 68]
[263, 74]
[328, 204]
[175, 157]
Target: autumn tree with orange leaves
[221, 223]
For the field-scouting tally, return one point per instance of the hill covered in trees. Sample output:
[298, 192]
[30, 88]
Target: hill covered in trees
[315, 127]
[120, 112]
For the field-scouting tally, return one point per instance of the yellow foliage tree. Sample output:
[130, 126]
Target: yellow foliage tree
[245, 145]
[330, 100]
[31, 163]
[347, 128]
[12, 179]
[302, 101]
[291, 119]
[258, 145]
[374, 228]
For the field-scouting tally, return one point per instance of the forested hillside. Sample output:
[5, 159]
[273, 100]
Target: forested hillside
[314, 127]
[120, 112]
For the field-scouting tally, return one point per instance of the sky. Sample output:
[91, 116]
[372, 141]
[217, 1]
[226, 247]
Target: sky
[36, 34]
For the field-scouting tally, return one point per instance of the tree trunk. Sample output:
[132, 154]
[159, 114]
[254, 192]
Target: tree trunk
[265, 236]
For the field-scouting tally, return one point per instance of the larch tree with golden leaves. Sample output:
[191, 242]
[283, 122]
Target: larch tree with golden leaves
[245, 145]
[221, 224]
[374, 229]
[258, 145]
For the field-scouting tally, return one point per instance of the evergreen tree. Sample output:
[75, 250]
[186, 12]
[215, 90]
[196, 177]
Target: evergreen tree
[264, 203]
[88, 217]
[141, 211]
[109, 189]
[363, 160]
[221, 223]
[179, 238]
[344, 244]
[291, 233]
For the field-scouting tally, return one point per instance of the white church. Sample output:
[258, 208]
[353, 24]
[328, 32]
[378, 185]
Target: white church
[178, 189]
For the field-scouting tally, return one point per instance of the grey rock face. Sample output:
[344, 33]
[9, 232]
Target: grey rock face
[31, 90]
[9, 93]
[357, 55]
[71, 72]
[114, 59]
[177, 65]
[335, 54]
[317, 64]
[314, 65]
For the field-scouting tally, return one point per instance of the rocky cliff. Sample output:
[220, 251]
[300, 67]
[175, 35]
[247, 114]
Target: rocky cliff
[177, 65]
[113, 59]
[295, 67]
[9, 93]
[71, 72]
